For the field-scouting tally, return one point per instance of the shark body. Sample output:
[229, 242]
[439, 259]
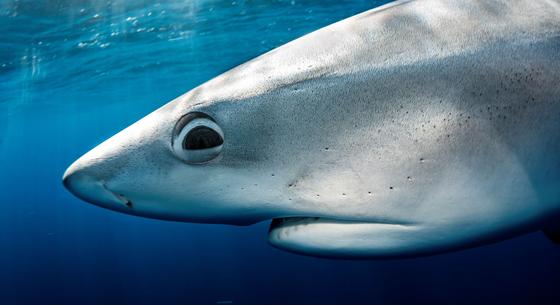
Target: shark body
[415, 128]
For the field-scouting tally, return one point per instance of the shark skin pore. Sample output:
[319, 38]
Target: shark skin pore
[415, 128]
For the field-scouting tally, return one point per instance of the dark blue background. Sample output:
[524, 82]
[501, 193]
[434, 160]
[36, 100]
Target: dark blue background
[72, 73]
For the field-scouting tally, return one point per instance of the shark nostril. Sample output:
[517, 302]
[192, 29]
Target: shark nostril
[127, 202]
[122, 198]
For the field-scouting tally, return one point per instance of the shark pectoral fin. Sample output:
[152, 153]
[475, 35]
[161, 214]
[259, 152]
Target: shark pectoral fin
[339, 238]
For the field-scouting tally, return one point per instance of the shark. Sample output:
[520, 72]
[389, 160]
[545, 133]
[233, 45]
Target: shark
[415, 128]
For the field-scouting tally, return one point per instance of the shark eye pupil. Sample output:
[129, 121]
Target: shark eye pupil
[197, 138]
[202, 137]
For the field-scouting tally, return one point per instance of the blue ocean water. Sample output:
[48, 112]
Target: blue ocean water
[73, 73]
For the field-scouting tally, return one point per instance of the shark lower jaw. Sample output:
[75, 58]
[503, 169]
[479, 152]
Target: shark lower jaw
[340, 238]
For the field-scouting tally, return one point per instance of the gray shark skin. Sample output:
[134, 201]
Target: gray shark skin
[415, 128]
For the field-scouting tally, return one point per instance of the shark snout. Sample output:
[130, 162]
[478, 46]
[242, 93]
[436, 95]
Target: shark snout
[113, 174]
[85, 182]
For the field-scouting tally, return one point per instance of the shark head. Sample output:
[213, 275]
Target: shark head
[356, 141]
[224, 152]
[188, 161]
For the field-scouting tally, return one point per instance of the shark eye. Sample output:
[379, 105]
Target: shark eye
[197, 138]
